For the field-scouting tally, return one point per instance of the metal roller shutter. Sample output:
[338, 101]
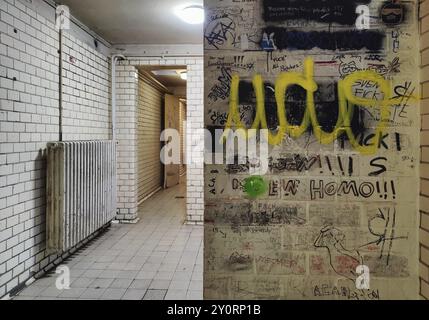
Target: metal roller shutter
[149, 126]
[182, 136]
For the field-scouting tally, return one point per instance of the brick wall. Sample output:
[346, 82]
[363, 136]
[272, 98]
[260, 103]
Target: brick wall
[29, 94]
[126, 126]
[424, 168]
[127, 164]
[86, 92]
[304, 235]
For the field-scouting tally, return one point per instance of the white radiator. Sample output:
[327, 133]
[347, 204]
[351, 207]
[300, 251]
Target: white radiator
[81, 191]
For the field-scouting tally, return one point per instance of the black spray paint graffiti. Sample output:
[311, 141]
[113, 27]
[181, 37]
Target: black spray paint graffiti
[395, 40]
[371, 139]
[324, 164]
[239, 262]
[281, 64]
[378, 163]
[393, 13]
[339, 40]
[293, 163]
[328, 290]
[243, 216]
[382, 226]
[404, 92]
[326, 107]
[338, 11]
[220, 31]
[221, 90]
[319, 189]
[376, 64]
[235, 63]
[286, 187]
[299, 163]
[344, 261]
[219, 118]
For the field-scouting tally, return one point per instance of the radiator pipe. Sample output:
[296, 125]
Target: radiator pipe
[115, 58]
[60, 95]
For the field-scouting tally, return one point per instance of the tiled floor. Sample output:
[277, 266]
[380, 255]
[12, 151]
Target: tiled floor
[157, 258]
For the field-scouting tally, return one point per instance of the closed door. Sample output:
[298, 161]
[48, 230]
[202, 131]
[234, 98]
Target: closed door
[149, 125]
[172, 116]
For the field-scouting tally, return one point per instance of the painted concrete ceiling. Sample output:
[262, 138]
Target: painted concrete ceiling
[136, 21]
[168, 76]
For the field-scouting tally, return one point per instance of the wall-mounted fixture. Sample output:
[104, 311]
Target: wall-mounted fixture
[191, 13]
[184, 75]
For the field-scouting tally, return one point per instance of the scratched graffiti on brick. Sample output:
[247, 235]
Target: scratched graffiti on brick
[263, 214]
[340, 103]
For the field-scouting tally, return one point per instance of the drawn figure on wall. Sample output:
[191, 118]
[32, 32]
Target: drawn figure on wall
[382, 226]
[342, 260]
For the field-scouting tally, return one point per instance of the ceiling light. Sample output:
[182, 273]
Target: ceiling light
[192, 14]
[184, 75]
[165, 72]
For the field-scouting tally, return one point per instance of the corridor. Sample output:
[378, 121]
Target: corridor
[157, 258]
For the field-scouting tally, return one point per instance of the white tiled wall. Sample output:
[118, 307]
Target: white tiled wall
[195, 127]
[29, 101]
[126, 126]
[29, 94]
[127, 184]
[86, 92]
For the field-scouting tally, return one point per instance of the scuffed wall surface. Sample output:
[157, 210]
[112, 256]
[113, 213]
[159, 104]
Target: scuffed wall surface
[127, 160]
[29, 66]
[424, 166]
[343, 175]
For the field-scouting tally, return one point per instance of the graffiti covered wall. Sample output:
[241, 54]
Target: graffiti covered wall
[336, 84]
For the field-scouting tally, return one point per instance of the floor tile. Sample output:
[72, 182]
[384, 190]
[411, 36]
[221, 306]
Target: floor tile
[113, 294]
[31, 291]
[182, 275]
[155, 294]
[50, 292]
[146, 275]
[140, 284]
[175, 294]
[81, 283]
[134, 294]
[160, 284]
[196, 286]
[91, 273]
[23, 298]
[194, 295]
[101, 283]
[91, 293]
[179, 284]
[156, 258]
[72, 293]
[121, 283]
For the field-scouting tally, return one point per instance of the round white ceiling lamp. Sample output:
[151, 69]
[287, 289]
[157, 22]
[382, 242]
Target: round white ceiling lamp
[191, 13]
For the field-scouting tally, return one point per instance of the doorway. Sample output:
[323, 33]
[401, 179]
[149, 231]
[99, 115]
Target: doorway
[161, 105]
